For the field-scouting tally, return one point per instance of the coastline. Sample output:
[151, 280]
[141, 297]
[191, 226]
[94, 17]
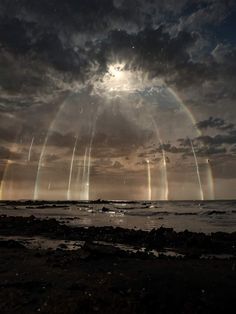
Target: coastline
[115, 270]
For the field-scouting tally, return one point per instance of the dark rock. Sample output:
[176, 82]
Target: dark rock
[62, 246]
[11, 244]
[105, 209]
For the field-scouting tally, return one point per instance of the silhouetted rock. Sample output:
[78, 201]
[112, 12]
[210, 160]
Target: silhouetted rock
[11, 244]
[105, 209]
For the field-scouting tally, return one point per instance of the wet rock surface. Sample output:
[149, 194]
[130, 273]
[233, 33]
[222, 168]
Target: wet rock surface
[186, 241]
[104, 278]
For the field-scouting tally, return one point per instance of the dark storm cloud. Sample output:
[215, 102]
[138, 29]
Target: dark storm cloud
[209, 140]
[23, 74]
[207, 145]
[50, 47]
[209, 151]
[218, 139]
[51, 31]
[172, 149]
[69, 36]
[204, 146]
[200, 14]
[216, 123]
[152, 50]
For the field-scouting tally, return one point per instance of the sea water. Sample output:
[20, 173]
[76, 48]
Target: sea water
[196, 216]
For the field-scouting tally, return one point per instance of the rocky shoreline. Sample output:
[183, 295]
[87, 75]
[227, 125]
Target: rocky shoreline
[158, 239]
[100, 275]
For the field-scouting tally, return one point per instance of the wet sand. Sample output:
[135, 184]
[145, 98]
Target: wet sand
[114, 270]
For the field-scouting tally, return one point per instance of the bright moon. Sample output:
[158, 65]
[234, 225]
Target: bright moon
[119, 78]
[117, 71]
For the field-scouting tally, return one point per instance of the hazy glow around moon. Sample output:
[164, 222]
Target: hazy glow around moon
[120, 78]
[117, 71]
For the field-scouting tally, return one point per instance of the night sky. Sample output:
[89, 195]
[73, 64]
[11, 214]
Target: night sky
[117, 99]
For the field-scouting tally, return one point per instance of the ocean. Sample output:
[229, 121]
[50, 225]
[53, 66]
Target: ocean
[196, 216]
